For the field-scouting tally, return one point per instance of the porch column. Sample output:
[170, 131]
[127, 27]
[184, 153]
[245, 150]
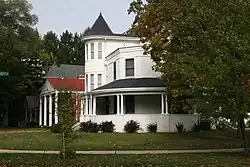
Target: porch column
[166, 100]
[82, 102]
[86, 112]
[45, 111]
[50, 110]
[162, 104]
[118, 104]
[94, 106]
[56, 107]
[91, 105]
[122, 105]
[40, 111]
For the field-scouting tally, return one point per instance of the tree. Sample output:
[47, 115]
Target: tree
[202, 49]
[19, 54]
[51, 47]
[66, 120]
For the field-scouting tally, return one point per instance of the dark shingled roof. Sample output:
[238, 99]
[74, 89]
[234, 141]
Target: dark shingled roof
[101, 27]
[134, 83]
[65, 71]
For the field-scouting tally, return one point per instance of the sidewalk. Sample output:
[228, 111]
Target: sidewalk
[120, 152]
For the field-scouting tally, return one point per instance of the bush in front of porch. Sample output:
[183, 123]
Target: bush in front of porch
[132, 126]
[93, 127]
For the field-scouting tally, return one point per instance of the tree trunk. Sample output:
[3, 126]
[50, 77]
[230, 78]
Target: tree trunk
[243, 134]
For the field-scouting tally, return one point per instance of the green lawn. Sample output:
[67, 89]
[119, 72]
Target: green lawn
[149, 141]
[176, 160]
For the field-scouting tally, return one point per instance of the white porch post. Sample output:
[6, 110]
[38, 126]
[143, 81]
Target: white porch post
[91, 105]
[118, 104]
[56, 107]
[82, 102]
[86, 112]
[50, 110]
[122, 105]
[166, 100]
[94, 106]
[45, 111]
[162, 104]
[40, 111]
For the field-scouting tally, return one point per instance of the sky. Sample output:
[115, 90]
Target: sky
[76, 15]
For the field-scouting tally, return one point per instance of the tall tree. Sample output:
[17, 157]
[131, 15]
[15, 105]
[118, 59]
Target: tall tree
[19, 53]
[203, 47]
[51, 47]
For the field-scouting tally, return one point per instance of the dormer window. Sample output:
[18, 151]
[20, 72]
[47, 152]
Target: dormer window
[99, 50]
[92, 47]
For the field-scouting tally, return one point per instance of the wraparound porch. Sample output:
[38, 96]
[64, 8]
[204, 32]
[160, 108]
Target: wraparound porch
[165, 122]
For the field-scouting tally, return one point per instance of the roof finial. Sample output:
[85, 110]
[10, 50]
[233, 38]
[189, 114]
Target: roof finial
[100, 13]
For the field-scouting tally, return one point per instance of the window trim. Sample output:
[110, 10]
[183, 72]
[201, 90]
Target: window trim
[129, 68]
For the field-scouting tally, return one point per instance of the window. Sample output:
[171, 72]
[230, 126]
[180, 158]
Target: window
[87, 51]
[92, 50]
[87, 84]
[92, 83]
[114, 66]
[129, 67]
[99, 50]
[99, 79]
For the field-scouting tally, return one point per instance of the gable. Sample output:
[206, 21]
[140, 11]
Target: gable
[46, 88]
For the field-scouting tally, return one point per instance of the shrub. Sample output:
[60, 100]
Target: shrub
[94, 127]
[90, 127]
[132, 126]
[56, 128]
[205, 125]
[152, 127]
[180, 127]
[107, 127]
[196, 127]
[30, 124]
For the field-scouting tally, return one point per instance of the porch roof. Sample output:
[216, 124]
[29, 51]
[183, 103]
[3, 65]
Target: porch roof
[132, 85]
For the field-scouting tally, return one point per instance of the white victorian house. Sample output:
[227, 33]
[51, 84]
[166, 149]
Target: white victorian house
[120, 84]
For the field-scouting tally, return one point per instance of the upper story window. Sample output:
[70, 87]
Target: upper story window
[99, 50]
[114, 70]
[92, 47]
[99, 79]
[87, 51]
[87, 84]
[92, 83]
[129, 67]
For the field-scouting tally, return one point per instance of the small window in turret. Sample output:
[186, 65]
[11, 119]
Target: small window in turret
[99, 50]
[92, 47]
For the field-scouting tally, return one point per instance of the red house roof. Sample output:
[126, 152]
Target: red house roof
[67, 84]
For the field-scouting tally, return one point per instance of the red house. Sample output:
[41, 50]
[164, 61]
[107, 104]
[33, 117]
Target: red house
[63, 78]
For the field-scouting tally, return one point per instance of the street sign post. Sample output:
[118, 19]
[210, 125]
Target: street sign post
[4, 74]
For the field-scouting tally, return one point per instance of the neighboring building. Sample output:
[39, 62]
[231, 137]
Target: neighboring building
[120, 84]
[31, 107]
[62, 78]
